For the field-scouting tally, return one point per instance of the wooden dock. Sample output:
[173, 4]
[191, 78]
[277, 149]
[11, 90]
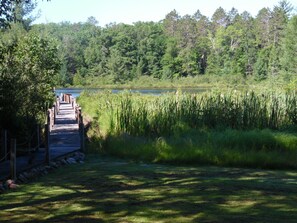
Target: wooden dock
[64, 138]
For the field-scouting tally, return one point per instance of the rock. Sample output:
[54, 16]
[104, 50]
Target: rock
[13, 186]
[8, 182]
[71, 160]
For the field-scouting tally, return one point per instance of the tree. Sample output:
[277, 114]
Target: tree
[171, 23]
[289, 45]
[219, 19]
[27, 72]
[10, 11]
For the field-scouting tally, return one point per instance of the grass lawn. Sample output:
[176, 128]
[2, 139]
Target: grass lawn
[112, 190]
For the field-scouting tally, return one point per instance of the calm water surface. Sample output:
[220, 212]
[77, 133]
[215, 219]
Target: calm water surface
[76, 91]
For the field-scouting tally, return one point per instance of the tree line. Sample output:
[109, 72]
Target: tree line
[228, 43]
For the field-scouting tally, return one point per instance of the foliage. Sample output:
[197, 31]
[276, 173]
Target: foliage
[228, 44]
[28, 68]
[289, 59]
[14, 11]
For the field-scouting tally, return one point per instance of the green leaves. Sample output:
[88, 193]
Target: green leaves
[27, 72]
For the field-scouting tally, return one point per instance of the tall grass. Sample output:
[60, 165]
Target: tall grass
[252, 148]
[243, 111]
[232, 129]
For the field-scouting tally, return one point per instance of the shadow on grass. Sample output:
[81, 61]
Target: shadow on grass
[109, 190]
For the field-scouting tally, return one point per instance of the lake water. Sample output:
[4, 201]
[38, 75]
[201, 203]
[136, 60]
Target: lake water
[76, 91]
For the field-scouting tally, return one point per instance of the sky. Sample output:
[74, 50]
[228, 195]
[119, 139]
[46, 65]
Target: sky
[130, 11]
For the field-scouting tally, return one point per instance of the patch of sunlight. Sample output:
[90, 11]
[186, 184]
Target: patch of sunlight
[280, 206]
[248, 178]
[55, 190]
[159, 215]
[238, 206]
[143, 191]
[260, 173]
[137, 219]
[209, 189]
[64, 208]
[189, 183]
[291, 174]
[117, 177]
[153, 215]
[183, 181]
[240, 203]
[179, 191]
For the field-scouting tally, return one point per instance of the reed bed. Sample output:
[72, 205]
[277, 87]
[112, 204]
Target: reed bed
[232, 129]
[242, 111]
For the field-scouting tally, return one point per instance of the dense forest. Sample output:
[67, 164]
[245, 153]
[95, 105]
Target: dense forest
[228, 43]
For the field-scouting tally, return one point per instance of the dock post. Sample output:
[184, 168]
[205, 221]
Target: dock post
[13, 159]
[47, 143]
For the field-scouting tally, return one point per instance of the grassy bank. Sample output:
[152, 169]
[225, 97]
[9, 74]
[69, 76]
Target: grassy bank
[240, 129]
[255, 149]
[109, 190]
[207, 81]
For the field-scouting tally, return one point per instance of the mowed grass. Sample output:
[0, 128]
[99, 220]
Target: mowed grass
[105, 189]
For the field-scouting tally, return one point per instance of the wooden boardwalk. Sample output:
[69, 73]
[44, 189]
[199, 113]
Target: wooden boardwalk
[64, 138]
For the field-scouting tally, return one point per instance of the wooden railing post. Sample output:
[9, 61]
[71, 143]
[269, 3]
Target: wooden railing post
[52, 117]
[47, 143]
[55, 114]
[81, 133]
[58, 104]
[48, 121]
[13, 159]
[77, 113]
[74, 103]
